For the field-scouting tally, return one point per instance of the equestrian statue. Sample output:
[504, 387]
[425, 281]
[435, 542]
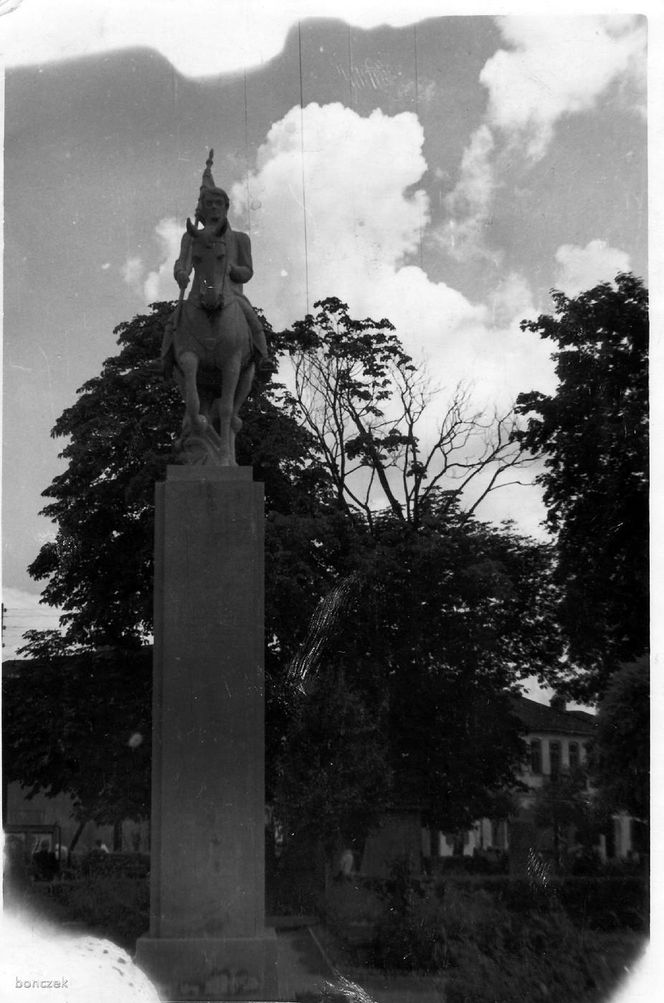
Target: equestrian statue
[214, 341]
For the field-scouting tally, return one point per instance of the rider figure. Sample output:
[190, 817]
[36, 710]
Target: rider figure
[212, 210]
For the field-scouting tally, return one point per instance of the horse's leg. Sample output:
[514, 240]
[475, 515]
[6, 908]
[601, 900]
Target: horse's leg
[241, 394]
[229, 380]
[188, 363]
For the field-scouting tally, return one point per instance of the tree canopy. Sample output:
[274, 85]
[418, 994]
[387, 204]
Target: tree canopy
[81, 724]
[621, 750]
[437, 628]
[593, 436]
[398, 609]
[119, 439]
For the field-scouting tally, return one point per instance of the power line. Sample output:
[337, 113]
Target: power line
[417, 113]
[246, 152]
[351, 96]
[415, 70]
[304, 193]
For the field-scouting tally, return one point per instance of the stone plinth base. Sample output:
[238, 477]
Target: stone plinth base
[206, 968]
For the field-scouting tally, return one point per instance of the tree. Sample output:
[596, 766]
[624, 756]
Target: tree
[430, 637]
[564, 803]
[334, 775]
[593, 436]
[621, 750]
[81, 725]
[367, 407]
[442, 614]
[432, 633]
[120, 433]
[119, 438]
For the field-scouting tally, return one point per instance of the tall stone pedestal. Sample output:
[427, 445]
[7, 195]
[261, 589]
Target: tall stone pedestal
[207, 938]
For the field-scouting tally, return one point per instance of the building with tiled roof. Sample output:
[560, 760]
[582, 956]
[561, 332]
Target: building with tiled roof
[558, 739]
[553, 717]
[558, 742]
[557, 745]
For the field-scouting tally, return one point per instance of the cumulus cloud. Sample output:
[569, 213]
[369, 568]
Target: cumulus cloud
[581, 268]
[157, 284]
[353, 230]
[331, 190]
[365, 216]
[160, 284]
[132, 273]
[510, 300]
[335, 207]
[559, 66]
[553, 67]
[469, 204]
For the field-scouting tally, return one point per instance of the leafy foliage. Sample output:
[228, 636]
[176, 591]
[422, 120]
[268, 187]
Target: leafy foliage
[120, 435]
[430, 617]
[621, 752]
[491, 939]
[82, 725]
[410, 934]
[114, 907]
[564, 802]
[334, 775]
[593, 435]
[120, 432]
[439, 624]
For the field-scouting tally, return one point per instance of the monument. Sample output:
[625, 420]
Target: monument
[207, 937]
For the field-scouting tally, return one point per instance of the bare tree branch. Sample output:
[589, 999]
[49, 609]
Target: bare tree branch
[368, 408]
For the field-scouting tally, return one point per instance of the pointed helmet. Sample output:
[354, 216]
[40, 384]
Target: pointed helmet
[208, 185]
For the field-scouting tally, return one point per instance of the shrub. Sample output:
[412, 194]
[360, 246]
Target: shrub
[293, 882]
[113, 906]
[501, 940]
[129, 865]
[600, 903]
[497, 953]
[351, 910]
[479, 863]
[410, 932]
[415, 941]
[607, 903]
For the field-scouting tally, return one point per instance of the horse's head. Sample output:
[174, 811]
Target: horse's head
[209, 259]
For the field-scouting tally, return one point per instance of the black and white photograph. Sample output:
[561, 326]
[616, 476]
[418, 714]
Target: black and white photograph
[326, 501]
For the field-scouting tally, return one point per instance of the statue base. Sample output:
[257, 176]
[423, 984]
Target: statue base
[206, 968]
[207, 938]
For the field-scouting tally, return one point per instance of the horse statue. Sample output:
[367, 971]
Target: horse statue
[213, 336]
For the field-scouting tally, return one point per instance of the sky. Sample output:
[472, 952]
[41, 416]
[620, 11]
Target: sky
[442, 171]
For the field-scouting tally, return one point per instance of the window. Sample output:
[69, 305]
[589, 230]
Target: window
[536, 756]
[554, 759]
[574, 756]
